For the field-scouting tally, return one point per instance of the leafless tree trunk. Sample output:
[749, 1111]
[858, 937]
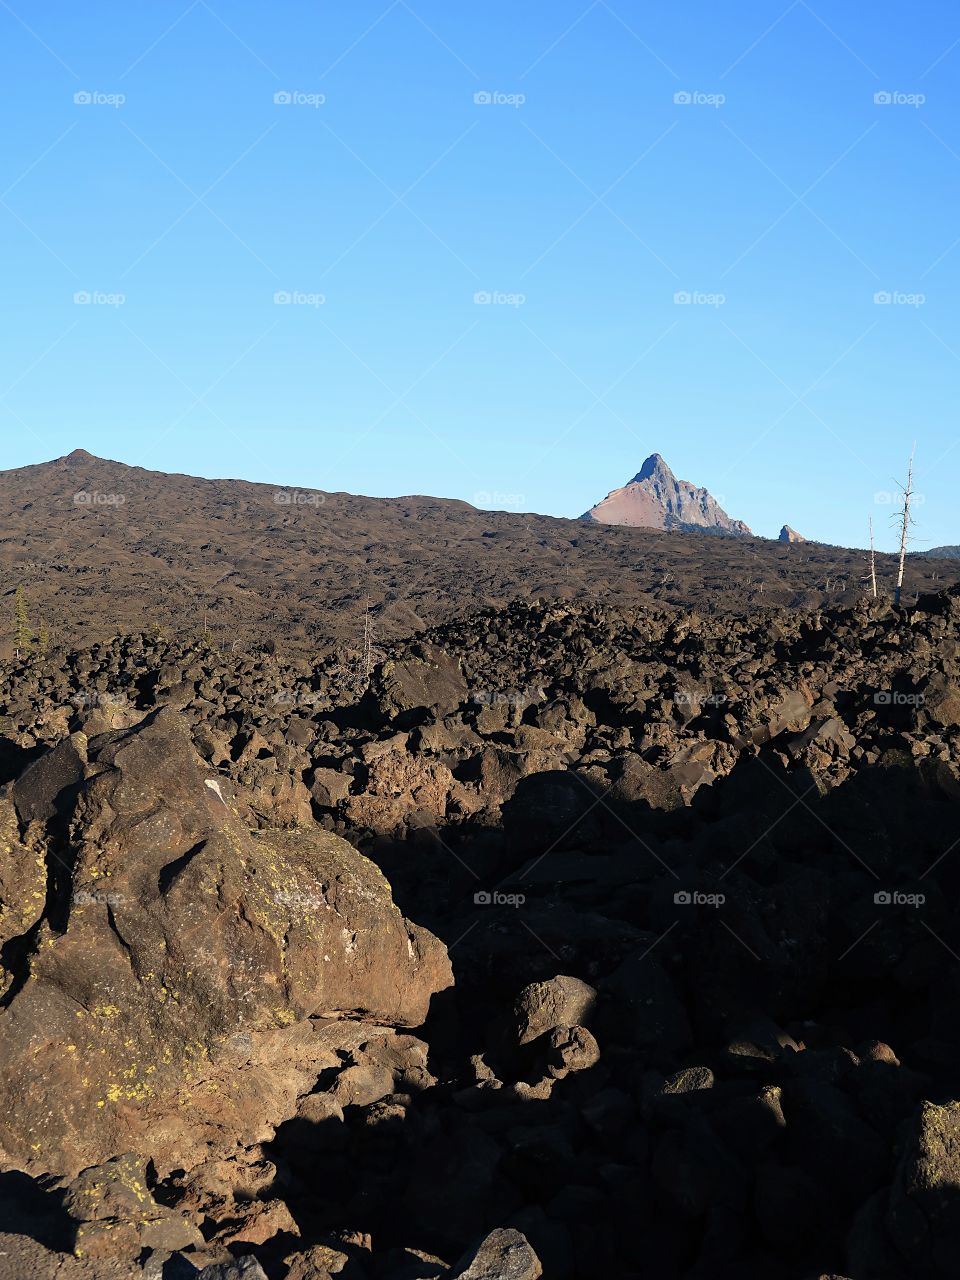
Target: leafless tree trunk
[904, 528]
[367, 658]
[873, 562]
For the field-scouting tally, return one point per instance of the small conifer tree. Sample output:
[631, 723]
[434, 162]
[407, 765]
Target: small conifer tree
[23, 630]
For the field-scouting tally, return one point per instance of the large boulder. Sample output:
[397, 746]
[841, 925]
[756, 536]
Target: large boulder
[504, 1254]
[924, 1213]
[409, 690]
[189, 978]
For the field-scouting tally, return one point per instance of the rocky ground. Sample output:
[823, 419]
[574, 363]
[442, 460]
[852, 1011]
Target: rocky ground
[99, 548]
[566, 939]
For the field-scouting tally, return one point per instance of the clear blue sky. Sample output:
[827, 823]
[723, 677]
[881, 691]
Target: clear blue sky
[399, 197]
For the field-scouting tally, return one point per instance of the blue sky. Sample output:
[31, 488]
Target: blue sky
[618, 155]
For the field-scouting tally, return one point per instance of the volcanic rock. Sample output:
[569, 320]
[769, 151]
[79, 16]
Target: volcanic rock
[656, 499]
[503, 1255]
[187, 977]
[790, 535]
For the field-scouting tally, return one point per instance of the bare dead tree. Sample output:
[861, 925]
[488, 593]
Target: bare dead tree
[367, 656]
[906, 520]
[873, 562]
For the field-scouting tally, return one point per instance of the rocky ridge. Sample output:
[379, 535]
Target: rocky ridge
[98, 548]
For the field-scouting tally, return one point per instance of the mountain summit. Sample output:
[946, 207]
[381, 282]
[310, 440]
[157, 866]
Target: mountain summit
[656, 499]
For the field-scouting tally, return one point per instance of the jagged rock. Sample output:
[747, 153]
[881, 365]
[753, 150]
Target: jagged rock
[37, 793]
[503, 1255]
[318, 1263]
[247, 1268]
[561, 1002]
[924, 1211]
[186, 953]
[117, 1217]
[23, 885]
[571, 1049]
[790, 535]
[361, 1085]
[429, 682]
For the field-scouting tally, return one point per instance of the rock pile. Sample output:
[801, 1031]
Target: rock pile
[697, 880]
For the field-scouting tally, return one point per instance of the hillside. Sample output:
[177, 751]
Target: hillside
[100, 547]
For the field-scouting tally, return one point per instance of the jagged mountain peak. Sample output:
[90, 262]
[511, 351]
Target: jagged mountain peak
[656, 499]
[655, 465]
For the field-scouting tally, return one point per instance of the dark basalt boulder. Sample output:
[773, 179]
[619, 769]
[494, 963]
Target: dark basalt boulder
[187, 974]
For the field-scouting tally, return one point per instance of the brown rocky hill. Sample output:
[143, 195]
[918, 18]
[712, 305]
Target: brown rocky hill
[100, 547]
[656, 499]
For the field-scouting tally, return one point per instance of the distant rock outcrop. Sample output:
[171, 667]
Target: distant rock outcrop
[656, 499]
[790, 535]
[944, 553]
